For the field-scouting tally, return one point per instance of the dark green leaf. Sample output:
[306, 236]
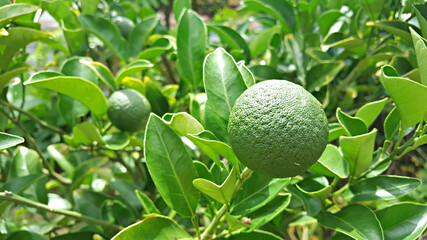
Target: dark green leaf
[20, 235]
[373, 8]
[354, 126]
[231, 38]
[147, 203]
[140, 33]
[322, 74]
[328, 19]
[254, 235]
[269, 211]
[421, 53]
[311, 204]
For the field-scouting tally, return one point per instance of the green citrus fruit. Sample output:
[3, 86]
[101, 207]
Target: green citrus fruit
[128, 110]
[124, 24]
[278, 129]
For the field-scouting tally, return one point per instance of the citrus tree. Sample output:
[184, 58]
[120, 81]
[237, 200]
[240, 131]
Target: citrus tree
[156, 119]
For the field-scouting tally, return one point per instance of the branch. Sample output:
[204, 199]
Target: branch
[12, 197]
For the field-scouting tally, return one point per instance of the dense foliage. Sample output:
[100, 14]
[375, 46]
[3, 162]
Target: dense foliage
[67, 173]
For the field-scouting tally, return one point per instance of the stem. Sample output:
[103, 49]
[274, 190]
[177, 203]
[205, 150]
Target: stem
[33, 118]
[12, 197]
[23, 95]
[32, 143]
[246, 174]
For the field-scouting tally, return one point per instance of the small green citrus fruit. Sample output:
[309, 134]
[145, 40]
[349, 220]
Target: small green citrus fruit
[278, 129]
[128, 110]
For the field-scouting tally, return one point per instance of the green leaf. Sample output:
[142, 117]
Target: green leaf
[223, 83]
[17, 38]
[223, 193]
[331, 163]
[358, 151]
[420, 11]
[126, 193]
[74, 67]
[254, 235]
[191, 43]
[159, 103]
[398, 28]
[297, 56]
[370, 111]
[86, 169]
[269, 211]
[116, 141]
[262, 40]
[403, 221]
[107, 32]
[373, 8]
[103, 73]
[61, 12]
[280, 10]
[87, 133]
[356, 221]
[328, 19]
[26, 161]
[19, 235]
[146, 203]
[179, 8]
[256, 192]
[140, 33]
[89, 203]
[231, 38]
[75, 235]
[392, 124]
[322, 74]
[183, 123]
[153, 228]
[170, 167]
[203, 171]
[132, 68]
[380, 188]
[311, 204]
[10, 12]
[421, 53]
[419, 141]
[353, 126]
[315, 186]
[407, 95]
[335, 131]
[264, 72]
[338, 39]
[247, 75]
[8, 140]
[160, 46]
[78, 88]
[56, 152]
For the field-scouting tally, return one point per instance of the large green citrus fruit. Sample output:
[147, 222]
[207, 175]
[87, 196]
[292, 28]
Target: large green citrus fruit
[278, 129]
[128, 110]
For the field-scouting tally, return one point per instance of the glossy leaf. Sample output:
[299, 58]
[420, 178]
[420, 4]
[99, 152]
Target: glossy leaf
[102, 72]
[191, 43]
[179, 7]
[352, 125]
[335, 131]
[356, 221]
[80, 89]
[74, 67]
[126, 193]
[146, 203]
[231, 38]
[420, 141]
[135, 84]
[420, 11]
[159, 47]
[395, 27]
[338, 39]
[331, 163]
[17, 38]
[19, 235]
[311, 204]
[8, 140]
[269, 211]
[223, 193]
[247, 75]
[327, 20]
[56, 152]
[407, 95]
[13, 11]
[280, 10]
[132, 68]
[139, 34]
[107, 32]
[297, 56]
[392, 124]
[358, 151]
[116, 141]
[322, 74]
[379, 188]
[403, 221]
[159, 103]
[370, 111]
[262, 40]
[223, 83]
[315, 186]
[421, 53]
[170, 167]
[153, 228]
[373, 8]
[256, 192]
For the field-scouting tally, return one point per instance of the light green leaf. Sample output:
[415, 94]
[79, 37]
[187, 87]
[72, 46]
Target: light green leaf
[403, 221]
[153, 228]
[421, 53]
[392, 124]
[269, 211]
[11, 12]
[138, 36]
[398, 28]
[8, 140]
[322, 74]
[256, 192]
[352, 125]
[116, 141]
[55, 152]
[407, 95]
[179, 7]
[328, 19]
[103, 73]
[247, 75]
[160, 46]
[262, 40]
[356, 221]
[170, 167]
[338, 39]
[223, 83]
[191, 43]
[223, 193]
[135, 84]
[380, 188]
[183, 123]
[107, 32]
[370, 111]
[419, 141]
[17, 38]
[373, 8]
[74, 67]
[132, 68]
[335, 131]
[78, 88]
[147, 204]
[331, 163]
[358, 151]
